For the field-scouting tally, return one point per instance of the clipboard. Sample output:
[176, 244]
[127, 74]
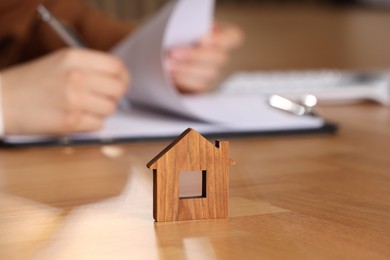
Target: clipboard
[328, 128]
[142, 125]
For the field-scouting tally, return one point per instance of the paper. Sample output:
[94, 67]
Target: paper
[139, 124]
[178, 23]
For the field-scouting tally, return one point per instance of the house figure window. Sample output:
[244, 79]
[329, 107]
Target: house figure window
[192, 185]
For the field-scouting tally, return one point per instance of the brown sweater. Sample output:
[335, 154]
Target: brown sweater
[24, 37]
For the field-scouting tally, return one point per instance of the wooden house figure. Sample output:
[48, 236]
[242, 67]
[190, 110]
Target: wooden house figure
[191, 152]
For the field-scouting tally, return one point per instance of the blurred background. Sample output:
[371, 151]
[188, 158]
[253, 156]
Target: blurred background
[294, 34]
[138, 9]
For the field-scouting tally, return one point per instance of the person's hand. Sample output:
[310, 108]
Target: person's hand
[71, 90]
[197, 68]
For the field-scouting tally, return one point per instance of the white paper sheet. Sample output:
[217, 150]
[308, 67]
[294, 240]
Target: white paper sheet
[139, 124]
[178, 23]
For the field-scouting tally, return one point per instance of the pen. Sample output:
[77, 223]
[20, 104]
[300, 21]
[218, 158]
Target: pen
[68, 36]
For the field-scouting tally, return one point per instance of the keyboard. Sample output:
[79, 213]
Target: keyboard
[327, 85]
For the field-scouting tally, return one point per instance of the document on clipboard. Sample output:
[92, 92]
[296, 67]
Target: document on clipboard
[153, 109]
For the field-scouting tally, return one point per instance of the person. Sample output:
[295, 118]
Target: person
[48, 88]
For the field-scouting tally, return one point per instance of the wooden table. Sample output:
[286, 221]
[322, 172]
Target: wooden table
[304, 197]
[291, 197]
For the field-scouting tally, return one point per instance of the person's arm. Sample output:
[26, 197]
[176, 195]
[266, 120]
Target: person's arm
[68, 91]
[1, 111]
[98, 30]
[58, 90]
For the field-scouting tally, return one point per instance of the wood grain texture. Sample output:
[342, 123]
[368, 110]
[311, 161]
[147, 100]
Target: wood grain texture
[191, 152]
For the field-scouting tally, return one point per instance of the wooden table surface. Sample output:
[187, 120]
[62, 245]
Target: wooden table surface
[291, 197]
[303, 197]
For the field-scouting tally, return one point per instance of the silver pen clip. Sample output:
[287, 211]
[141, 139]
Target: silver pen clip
[300, 109]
